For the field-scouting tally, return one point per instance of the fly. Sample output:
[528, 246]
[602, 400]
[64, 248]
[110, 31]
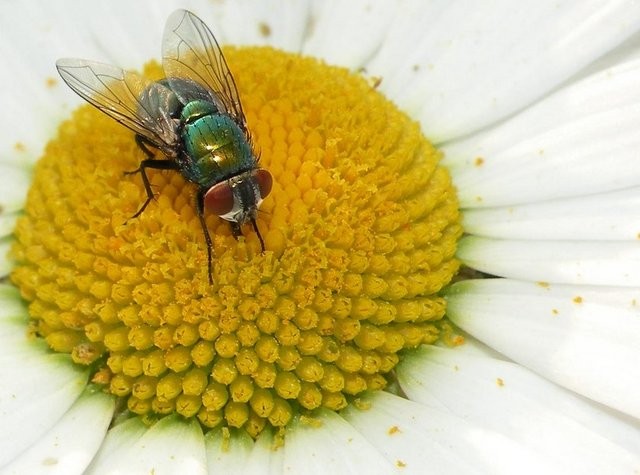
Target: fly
[193, 117]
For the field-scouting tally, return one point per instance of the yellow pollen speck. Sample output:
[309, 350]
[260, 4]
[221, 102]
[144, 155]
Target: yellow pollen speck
[360, 232]
[400, 464]
[499, 382]
[311, 421]
[577, 299]
[19, 147]
[555, 311]
[264, 29]
[49, 461]
[51, 82]
[376, 81]
[478, 162]
[393, 430]
[544, 285]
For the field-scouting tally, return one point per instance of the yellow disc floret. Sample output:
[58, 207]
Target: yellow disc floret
[360, 233]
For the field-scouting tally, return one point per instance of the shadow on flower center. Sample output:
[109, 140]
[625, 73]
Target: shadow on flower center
[360, 234]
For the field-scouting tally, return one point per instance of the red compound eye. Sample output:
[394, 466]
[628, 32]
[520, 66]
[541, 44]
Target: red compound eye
[219, 199]
[265, 182]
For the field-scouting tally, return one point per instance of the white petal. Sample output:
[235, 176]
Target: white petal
[567, 262]
[170, 446]
[120, 32]
[71, 444]
[278, 23]
[348, 33]
[5, 261]
[7, 224]
[420, 439]
[37, 389]
[606, 216]
[23, 83]
[227, 455]
[119, 439]
[328, 444]
[583, 338]
[461, 66]
[580, 140]
[15, 183]
[11, 309]
[506, 398]
[265, 456]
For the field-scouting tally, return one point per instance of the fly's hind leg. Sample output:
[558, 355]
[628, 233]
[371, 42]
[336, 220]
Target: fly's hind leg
[150, 162]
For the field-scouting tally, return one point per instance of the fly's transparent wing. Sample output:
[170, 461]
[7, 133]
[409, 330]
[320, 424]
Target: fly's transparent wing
[142, 105]
[190, 51]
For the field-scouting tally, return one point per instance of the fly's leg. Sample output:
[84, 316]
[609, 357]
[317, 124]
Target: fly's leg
[151, 162]
[205, 231]
[236, 230]
[143, 143]
[156, 165]
[255, 228]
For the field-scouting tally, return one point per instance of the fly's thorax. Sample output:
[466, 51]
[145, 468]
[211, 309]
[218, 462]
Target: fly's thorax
[195, 110]
[238, 198]
[159, 102]
[215, 147]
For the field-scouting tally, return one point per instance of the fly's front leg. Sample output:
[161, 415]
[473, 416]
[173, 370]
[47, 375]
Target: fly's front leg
[255, 228]
[205, 231]
[236, 230]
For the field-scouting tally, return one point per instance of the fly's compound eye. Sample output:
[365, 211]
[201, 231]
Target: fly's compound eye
[265, 182]
[238, 194]
[219, 199]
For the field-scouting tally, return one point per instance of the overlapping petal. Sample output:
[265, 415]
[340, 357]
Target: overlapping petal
[329, 444]
[599, 217]
[170, 446]
[580, 141]
[583, 338]
[459, 67]
[37, 388]
[567, 431]
[227, 453]
[419, 438]
[72, 442]
[565, 262]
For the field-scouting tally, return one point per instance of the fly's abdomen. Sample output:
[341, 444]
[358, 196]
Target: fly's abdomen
[215, 146]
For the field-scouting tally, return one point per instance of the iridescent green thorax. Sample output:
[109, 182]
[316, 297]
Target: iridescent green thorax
[216, 148]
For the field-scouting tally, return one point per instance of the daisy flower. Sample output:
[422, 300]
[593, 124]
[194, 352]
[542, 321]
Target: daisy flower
[344, 347]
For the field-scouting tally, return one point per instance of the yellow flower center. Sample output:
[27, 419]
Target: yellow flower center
[360, 233]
